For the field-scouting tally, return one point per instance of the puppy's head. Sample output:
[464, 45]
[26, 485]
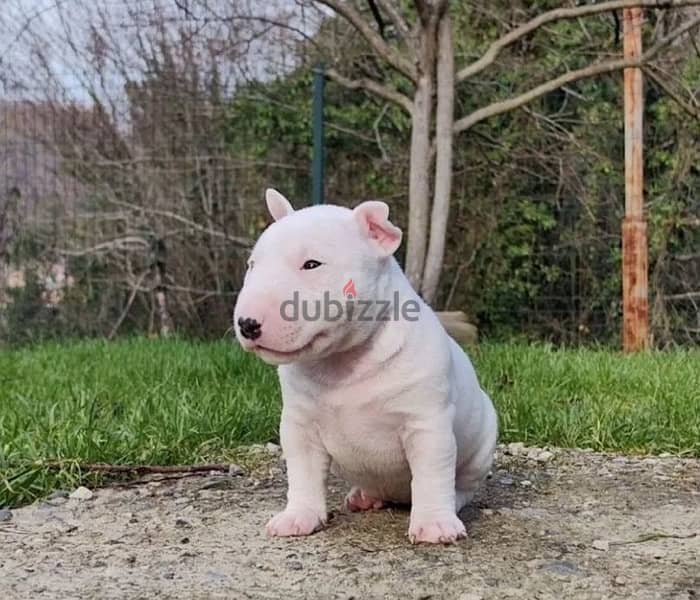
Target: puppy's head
[307, 275]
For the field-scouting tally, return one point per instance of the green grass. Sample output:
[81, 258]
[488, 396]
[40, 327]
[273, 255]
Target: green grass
[167, 402]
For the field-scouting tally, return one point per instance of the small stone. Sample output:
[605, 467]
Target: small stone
[526, 483]
[563, 567]
[487, 512]
[506, 481]
[50, 504]
[56, 494]
[665, 455]
[82, 493]
[273, 448]
[619, 580]
[5, 515]
[602, 545]
[169, 575]
[515, 448]
[216, 576]
[234, 470]
[469, 596]
[217, 482]
[544, 456]
[184, 523]
[295, 565]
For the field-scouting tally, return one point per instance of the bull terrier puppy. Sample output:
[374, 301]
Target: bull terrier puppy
[373, 388]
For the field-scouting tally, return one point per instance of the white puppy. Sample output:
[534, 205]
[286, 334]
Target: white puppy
[373, 388]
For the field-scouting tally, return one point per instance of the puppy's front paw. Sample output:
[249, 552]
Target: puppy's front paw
[436, 530]
[295, 521]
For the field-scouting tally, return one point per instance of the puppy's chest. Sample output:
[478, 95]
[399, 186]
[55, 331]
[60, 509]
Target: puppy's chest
[362, 439]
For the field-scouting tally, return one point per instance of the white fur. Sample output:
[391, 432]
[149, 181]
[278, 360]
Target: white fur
[393, 407]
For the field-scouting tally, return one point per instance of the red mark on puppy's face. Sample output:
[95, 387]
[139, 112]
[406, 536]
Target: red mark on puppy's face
[349, 290]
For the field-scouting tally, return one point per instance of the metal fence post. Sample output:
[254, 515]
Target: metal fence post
[317, 167]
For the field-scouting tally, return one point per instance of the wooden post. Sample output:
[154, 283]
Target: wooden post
[635, 334]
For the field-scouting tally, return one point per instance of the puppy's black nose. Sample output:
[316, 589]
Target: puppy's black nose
[250, 328]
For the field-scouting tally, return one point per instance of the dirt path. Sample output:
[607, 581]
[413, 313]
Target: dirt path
[571, 525]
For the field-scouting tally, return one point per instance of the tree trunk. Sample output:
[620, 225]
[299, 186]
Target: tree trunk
[159, 276]
[166, 321]
[419, 179]
[443, 160]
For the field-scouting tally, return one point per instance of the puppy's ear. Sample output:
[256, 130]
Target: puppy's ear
[373, 218]
[278, 206]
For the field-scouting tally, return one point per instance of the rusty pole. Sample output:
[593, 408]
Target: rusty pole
[635, 333]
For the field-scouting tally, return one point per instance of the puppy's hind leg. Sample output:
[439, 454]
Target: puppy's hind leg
[359, 500]
[469, 478]
[472, 473]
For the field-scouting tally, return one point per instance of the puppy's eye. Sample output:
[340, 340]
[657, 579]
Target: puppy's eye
[251, 264]
[311, 264]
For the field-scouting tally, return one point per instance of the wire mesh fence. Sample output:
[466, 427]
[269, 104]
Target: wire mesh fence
[131, 183]
[109, 229]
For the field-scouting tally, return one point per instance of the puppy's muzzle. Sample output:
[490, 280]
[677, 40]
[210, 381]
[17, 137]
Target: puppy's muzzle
[250, 329]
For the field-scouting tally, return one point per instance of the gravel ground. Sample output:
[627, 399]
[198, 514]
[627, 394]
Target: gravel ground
[548, 524]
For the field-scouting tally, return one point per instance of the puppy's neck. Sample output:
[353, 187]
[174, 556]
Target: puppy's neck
[360, 361]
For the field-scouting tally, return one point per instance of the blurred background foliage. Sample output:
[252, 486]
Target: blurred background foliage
[533, 245]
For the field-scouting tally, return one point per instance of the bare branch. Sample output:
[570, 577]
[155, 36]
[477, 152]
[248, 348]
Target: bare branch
[377, 17]
[239, 241]
[123, 243]
[556, 15]
[394, 13]
[374, 87]
[133, 469]
[693, 111]
[608, 66]
[683, 296]
[127, 307]
[383, 50]
[423, 10]
[377, 135]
